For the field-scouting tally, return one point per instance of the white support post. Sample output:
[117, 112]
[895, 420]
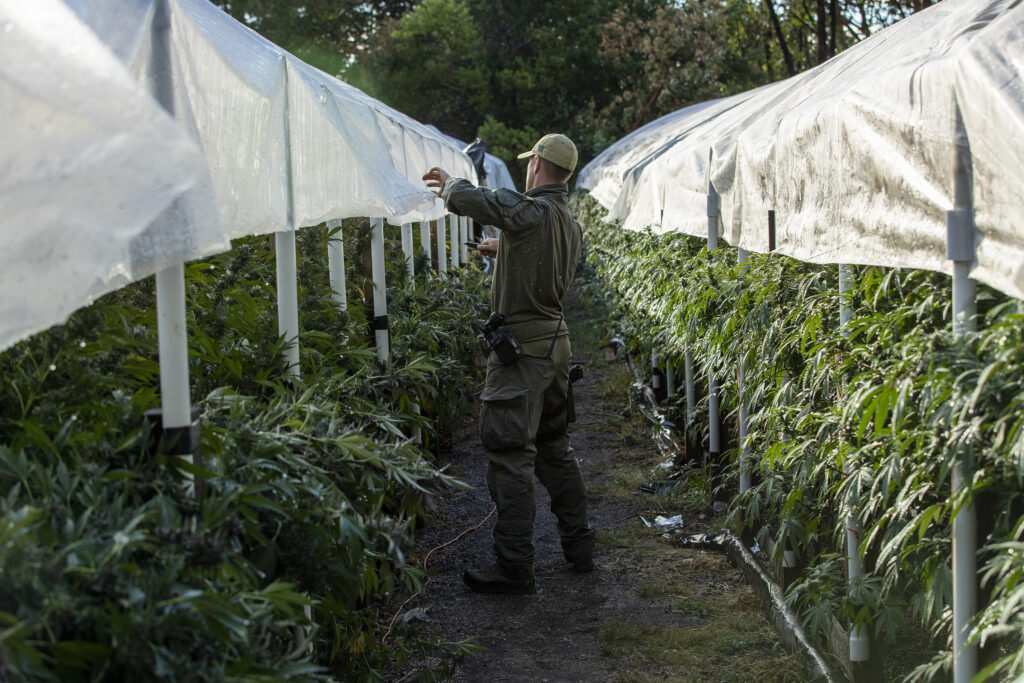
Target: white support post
[960, 248]
[425, 241]
[714, 432]
[670, 378]
[175, 401]
[442, 245]
[845, 308]
[288, 298]
[464, 237]
[380, 291]
[859, 642]
[407, 250]
[655, 377]
[744, 416]
[172, 330]
[455, 229]
[287, 275]
[713, 211]
[336, 265]
[691, 389]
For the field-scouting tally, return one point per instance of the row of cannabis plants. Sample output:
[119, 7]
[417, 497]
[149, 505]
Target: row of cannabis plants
[869, 423]
[113, 568]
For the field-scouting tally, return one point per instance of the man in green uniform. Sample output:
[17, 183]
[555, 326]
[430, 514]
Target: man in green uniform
[524, 411]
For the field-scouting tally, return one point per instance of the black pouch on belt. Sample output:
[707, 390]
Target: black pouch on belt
[505, 346]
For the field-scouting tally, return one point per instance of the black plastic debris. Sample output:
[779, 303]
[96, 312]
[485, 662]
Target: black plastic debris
[659, 488]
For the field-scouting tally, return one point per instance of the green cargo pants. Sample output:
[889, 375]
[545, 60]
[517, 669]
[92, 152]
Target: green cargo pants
[524, 427]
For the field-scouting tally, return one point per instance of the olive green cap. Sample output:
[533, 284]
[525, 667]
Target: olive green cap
[556, 148]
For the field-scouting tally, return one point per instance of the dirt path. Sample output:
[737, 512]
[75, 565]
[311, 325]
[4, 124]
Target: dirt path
[651, 611]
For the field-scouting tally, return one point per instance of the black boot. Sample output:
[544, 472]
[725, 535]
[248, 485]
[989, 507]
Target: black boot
[580, 553]
[498, 579]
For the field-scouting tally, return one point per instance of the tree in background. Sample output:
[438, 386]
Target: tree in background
[683, 53]
[810, 32]
[546, 64]
[330, 34]
[509, 70]
[427, 64]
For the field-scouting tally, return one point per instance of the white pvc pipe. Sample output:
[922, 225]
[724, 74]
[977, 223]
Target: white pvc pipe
[464, 237]
[960, 246]
[407, 250]
[713, 209]
[455, 229]
[442, 245]
[691, 389]
[336, 266]
[670, 379]
[288, 298]
[425, 241]
[859, 643]
[380, 291]
[965, 527]
[964, 294]
[714, 432]
[744, 417]
[845, 306]
[175, 402]
[172, 330]
[287, 273]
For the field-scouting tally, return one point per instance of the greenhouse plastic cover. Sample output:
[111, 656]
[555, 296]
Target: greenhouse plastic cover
[856, 155]
[498, 175]
[108, 188]
[268, 122]
[92, 173]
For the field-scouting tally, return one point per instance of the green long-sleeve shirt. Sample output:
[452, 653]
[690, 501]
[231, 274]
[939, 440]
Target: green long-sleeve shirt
[538, 251]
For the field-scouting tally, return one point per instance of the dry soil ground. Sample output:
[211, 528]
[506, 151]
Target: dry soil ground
[652, 611]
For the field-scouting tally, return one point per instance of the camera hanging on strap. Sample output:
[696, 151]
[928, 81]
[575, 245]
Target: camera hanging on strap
[499, 339]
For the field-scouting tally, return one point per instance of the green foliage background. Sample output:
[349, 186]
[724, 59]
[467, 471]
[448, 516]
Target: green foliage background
[113, 569]
[866, 424]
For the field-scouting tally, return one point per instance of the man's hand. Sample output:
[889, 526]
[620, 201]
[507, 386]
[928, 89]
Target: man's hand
[488, 247]
[435, 179]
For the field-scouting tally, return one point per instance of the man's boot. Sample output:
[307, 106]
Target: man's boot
[498, 579]
[580, 553]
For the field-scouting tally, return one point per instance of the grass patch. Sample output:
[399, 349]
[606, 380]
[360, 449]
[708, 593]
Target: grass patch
[713, 629]
[732, 648]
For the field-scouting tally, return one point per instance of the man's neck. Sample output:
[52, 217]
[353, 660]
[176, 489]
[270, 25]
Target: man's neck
[541, 181]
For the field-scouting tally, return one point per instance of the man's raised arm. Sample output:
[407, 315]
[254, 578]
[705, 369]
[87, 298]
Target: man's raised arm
[504, 209]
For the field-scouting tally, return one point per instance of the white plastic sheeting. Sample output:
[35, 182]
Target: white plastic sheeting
[100, 187]
[610, 170]
[92, 173]
[498, 175]
[270, 124]
[854, 156]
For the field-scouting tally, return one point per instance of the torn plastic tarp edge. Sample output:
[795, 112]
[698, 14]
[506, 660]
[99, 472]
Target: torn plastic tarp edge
[781, 616]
